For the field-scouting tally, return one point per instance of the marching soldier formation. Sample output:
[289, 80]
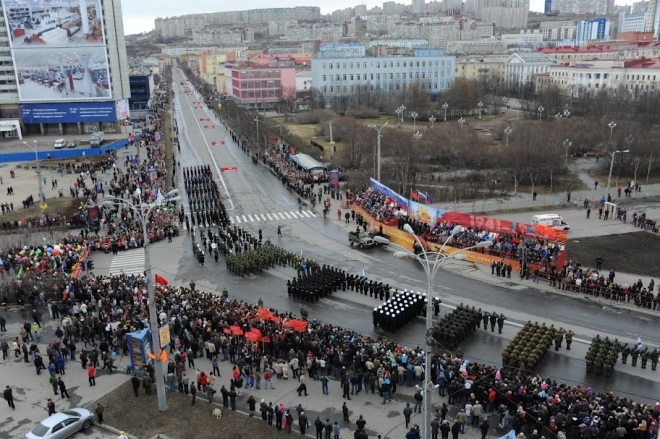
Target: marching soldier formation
[530, 345]
[316, 282]
[398, 310]
[602, 355]
[457, 325]
[206, 206]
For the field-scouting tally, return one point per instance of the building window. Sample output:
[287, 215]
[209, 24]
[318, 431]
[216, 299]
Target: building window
[351, 66]
[352, 77]
[324, 78]
[323, 66]
[244, 94]
[344, 77]
[277, 83]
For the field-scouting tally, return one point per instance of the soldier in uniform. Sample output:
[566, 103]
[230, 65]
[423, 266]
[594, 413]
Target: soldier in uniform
[559, 337]
[569, 339]
[486, 316]
[625, 351]
[654, 358]
[635, 354]
[645, 354]
[493, 321]
[500, 323]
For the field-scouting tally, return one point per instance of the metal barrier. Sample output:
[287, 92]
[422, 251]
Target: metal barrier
[11, 157]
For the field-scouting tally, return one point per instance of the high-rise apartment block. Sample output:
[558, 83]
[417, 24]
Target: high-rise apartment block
[63, 67]
[583, 6]
[252, 16]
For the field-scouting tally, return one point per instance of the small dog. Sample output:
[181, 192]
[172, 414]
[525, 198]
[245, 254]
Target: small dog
[217, 413]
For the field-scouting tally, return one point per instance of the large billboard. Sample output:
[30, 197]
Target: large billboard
[58, 47]
[69, 112]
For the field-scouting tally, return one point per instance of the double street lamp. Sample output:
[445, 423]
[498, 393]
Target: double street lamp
[507, 131]
[433, 119]
[42, 197]
[143, 211]
[613, 154]
[462, 121]
[611, 125]
[431, 262]
[567, 145]
[479, 106]
[378, 129]
[541, 108]
[417, 135]
[256, 119]
[444, 107]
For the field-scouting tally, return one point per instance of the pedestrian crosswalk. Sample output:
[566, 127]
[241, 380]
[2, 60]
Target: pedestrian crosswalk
[128, 262]
[273, 216]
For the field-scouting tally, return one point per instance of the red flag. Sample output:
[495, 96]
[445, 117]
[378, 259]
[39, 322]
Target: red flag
[413, 195]
[160, 280]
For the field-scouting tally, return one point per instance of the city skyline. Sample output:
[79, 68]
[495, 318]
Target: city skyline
[139, 16]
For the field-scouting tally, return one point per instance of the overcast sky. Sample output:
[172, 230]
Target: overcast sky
[139, 15]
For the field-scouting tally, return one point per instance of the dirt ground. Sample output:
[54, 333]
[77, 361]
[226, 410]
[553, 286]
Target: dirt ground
[628, 252]
[140, 417]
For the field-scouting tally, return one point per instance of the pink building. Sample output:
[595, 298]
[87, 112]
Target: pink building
[257, 86]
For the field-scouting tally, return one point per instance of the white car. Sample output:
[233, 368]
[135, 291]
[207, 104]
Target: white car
[59, 144]
[62, 425]
[78, 76]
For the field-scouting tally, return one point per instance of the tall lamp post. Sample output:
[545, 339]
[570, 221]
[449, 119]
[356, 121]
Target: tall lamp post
[462, 121]
[432, 119]
[479, 106]
[417, 135]
[256, 119]
[378, 147]
[567, 145]
[414, 116]
[143, 211]
[518, 107]
[541, 111]
[613, 154]
[431, 262]
[611, 125]
[444, 107]
[507, 131]
[42, 197]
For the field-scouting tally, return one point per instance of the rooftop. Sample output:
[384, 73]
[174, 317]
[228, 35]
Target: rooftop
[578, 49]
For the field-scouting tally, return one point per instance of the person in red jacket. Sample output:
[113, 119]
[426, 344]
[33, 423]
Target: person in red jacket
[492, 396]
[91, 375]
[203, 380]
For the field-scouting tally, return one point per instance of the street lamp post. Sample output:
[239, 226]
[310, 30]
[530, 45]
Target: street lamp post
[433, 119]
[518, 106]
[567, 113]
[414, 116]
[258, 122]
[143, 211]
[42, 197]
[613, 154]
[378, 147]
[444, 107]
[431, 262]
[462, 121]
[479, 106]
[399, 114]
[507, 131]
[417, 135]
[541, 111]
[567, 145]
[612, 125]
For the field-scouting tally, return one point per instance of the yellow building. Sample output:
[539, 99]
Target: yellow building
[214, 71]
[479, 67]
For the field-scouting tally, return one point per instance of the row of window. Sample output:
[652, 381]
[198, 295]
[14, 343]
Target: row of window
[258, 74]
[260, 84]
[606, 76]
[387, 87]
[384, 64]
[371, 76]
[261, 94]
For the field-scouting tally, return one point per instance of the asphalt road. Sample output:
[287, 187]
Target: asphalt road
[254, 190]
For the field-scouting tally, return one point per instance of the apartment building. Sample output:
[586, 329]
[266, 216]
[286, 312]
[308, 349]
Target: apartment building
[568, 53]
[520, 68]
[476, 67]
[256, 86]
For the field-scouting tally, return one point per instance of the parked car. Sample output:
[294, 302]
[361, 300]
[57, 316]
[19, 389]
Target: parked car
[59, 144]
[362, 239]
[62, 425]
[71, 143]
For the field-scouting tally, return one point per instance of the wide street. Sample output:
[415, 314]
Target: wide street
[257, 198]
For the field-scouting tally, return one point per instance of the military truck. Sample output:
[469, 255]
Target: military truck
[361, 239]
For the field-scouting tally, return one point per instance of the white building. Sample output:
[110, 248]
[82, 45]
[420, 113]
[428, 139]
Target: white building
[407, 44]
[635, 22]
[429, 69]
[476, 47]
[582, 6]
[522, 38]
[520, 68]
[303, 81]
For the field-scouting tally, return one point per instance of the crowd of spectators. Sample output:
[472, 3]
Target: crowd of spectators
[99, 311]
[293, 176]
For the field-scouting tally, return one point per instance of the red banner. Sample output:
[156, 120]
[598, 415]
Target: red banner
[204, 119]
[209, 127]
[218, 142]
[229, 169]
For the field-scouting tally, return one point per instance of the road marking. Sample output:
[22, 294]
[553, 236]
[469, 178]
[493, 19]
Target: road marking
[287, 215]
[238, 220]
[306, 214]
[127, 262]
[244, 219]
[263, 217]
[251, 220]
[268, 215]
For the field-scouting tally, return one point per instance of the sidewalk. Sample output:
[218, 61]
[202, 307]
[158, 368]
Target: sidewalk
[482, 273]
[580, 167]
